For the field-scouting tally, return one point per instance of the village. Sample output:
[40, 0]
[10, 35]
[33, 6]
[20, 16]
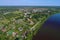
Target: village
[19, 23]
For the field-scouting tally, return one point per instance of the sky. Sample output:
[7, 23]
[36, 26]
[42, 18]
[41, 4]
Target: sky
[29, 2]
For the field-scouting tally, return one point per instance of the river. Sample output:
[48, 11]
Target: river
[50, 30]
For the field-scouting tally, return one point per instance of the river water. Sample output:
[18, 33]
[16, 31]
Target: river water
[50, 30]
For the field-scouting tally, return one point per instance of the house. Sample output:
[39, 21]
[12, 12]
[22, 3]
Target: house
[20, 29]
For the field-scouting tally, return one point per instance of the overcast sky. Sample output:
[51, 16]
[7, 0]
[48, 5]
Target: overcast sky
[30, 2]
